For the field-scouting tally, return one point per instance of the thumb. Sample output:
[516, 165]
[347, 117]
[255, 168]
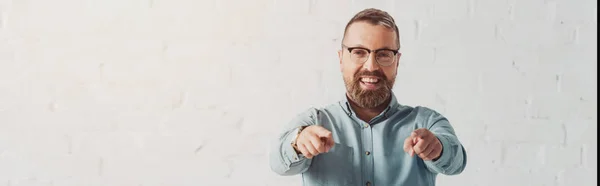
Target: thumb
[417, 134]
[408, 145]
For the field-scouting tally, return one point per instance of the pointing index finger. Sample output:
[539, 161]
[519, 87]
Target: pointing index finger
[408, 145]
[322, 132]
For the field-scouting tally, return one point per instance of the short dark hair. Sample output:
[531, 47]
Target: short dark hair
[375, 17]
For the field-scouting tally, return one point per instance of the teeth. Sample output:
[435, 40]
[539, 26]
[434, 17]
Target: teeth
[369, 80]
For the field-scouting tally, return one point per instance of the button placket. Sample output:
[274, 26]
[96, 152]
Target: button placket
[367, 149]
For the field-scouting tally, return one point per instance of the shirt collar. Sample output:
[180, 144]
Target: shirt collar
[345, 104]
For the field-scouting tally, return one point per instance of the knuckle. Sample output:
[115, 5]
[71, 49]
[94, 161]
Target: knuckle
[301, 141]
[418, 147]
[318, 146]
[308, 129]
[301, 136]
[306, 154]
[417, 150]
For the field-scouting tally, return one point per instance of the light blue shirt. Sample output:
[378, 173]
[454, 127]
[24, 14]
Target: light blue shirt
[369, 153]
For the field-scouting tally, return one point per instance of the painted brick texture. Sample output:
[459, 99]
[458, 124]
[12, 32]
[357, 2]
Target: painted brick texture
[184, 92]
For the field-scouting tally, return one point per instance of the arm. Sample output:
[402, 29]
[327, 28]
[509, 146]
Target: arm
[283, 159]
[453, 158]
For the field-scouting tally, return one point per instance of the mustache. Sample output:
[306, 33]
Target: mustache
[378, 74]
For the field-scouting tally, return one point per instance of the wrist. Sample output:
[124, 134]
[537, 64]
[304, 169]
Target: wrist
[296, 134]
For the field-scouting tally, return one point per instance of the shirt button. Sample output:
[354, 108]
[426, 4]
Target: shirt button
[368, 183]
[366, 125]
[368, 153]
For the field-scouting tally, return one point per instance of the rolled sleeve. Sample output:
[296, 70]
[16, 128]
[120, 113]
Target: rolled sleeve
[283, 158]
[453, 159]
[288, 151]
[445, 158]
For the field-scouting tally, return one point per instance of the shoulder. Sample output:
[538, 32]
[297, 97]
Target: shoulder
[308, 114]
[426, 111]
[332, 110]
[421, 112]
[430, 117]
[423, 115]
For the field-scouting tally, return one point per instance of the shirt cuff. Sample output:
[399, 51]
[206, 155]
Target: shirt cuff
[446, 153]
[289, 152]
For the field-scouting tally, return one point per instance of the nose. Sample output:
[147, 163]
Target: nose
[371, 63]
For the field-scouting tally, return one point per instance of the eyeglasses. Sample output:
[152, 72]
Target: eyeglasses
[359, 55]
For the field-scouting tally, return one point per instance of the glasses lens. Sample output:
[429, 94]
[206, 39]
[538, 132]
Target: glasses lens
[385, 57]
[359, 55]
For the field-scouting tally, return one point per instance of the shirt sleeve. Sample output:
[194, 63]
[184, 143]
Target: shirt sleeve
[283, 159]
[453, 158]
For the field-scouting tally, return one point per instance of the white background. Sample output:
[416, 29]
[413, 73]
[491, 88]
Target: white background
[188, 92]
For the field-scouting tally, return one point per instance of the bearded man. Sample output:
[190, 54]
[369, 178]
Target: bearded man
[369, 138]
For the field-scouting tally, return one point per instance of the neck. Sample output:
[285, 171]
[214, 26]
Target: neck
[366, 114]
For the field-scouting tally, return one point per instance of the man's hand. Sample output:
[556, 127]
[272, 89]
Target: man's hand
[423, 143]
[314, 140]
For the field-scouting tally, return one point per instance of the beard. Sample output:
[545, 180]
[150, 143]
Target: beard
[369, 98]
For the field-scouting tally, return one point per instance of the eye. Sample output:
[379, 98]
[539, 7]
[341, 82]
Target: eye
[359, 52]
[385, 54]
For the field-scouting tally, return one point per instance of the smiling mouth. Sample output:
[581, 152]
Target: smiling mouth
[370, 83]
[369, 80]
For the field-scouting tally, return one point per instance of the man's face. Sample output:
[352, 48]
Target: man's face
[368, 83]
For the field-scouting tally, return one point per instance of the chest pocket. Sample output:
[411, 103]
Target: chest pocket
[333, 168]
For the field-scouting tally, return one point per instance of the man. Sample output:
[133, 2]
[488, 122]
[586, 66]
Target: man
[369, 138]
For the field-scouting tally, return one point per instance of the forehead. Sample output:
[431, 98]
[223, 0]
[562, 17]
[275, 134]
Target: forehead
[373, 36]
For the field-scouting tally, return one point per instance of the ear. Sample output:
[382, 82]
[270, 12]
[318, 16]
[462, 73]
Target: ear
[340, 57]
[397, 63]
[398, 59]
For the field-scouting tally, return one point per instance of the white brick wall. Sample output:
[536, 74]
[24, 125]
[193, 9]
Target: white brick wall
[187, 92]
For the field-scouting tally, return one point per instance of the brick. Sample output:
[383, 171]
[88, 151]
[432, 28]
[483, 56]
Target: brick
[529, 11]
[589, 156]
[512, 176]
[527, 131]
[484, 156]
[523, 156]
[577, 176]
[579, 12]
[557, 157]
[450, 11]
[580, 130]
[492, 10]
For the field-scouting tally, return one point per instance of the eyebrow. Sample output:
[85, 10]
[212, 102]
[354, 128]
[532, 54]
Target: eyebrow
[362, 46]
